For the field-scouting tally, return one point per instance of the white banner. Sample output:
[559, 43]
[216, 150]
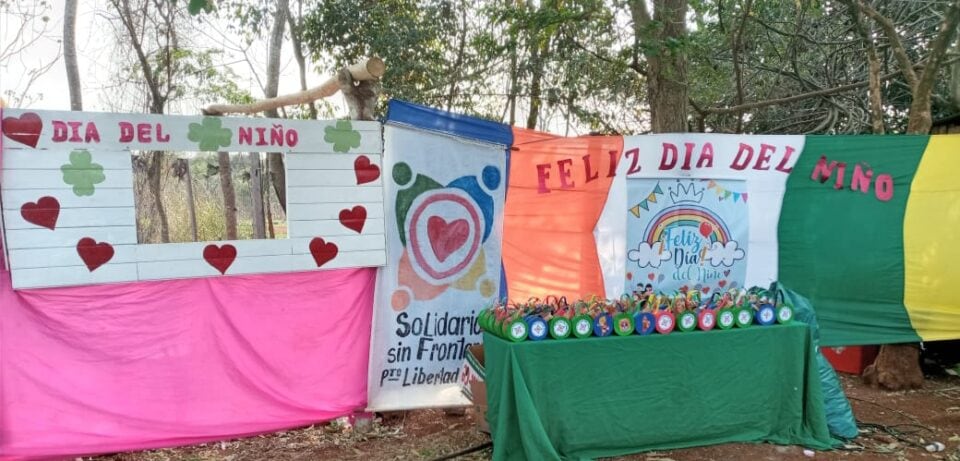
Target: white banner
[444, 217]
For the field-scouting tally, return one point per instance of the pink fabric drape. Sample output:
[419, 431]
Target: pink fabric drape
[142, 365]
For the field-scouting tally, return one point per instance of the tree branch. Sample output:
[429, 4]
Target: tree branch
[899, 52]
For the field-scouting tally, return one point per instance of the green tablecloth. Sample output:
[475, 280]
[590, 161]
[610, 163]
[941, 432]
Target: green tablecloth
[598, 397]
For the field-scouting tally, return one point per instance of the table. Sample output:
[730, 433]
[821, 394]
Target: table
[600, 397]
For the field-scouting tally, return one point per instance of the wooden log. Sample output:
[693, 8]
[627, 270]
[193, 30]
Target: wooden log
[368, 69]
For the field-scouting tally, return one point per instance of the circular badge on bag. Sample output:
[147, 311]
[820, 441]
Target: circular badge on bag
[744, 318]
[603, 325]
[538, 328]
[784, 314]
[766, 315]
[645, 323]
[665, 323]
[582, 326]
[688, 321]
[559, 328]
[726, 319]
[623, 324]
[517, 331]
[706, 320]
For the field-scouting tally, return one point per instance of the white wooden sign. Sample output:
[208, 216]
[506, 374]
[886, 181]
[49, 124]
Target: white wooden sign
[68, 213]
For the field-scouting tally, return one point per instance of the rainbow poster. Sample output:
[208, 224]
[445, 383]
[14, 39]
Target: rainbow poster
[686, 232]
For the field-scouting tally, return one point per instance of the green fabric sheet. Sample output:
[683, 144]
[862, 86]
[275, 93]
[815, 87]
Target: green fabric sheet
[833, 241]
[599, 397]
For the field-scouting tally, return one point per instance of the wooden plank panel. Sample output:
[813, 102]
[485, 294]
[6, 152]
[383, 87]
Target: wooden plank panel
[159, 270]
[77, 217]
[73, 275]
[330, 228]
[65, 257]
[170, 132]
[322, 194]
[328, 162]
[46, 238]
[194, 250]
[14, 199]
[53, 179]
[345, 243]
[53, 159]
[331, 177]
[315, 211]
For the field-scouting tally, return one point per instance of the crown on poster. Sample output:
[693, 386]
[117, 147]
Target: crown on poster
[685, 193]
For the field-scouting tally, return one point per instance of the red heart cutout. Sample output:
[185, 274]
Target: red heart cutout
[354, 219]
[651, 276]
[323, 251]
[43, 213]
[94, 254]
[446, 237]
[705, 229]
[364, 170]
[722, 283]
[25, 129]
[220, 257]
[705, 290]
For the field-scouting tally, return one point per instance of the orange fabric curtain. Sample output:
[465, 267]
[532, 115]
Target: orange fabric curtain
[557, 191]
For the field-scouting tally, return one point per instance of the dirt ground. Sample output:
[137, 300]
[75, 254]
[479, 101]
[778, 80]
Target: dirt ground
[893, 426]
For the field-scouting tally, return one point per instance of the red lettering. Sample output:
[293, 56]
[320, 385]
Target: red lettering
[822, 171]
[763, 158]
[861, 180]
[261, 136]
[635, 161]
[564, 167]
[246, 135]
[543, 174]
[706, 156]
[786, 160]
[126, 131]
[841, 168]
[687, 155]
[143, 132]
[741, 162]
[59, 131]
[672, 150]
[160, 136]
[586, 169]
[884, 187]
[92, 134]
[614, 156]
[75, 131]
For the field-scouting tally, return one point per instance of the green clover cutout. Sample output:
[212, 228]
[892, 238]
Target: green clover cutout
[210, 134]
[343, 136]
[82, 173]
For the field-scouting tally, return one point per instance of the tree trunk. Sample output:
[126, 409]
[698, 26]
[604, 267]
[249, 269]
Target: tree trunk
[256, 196]
[897, 367]
[191, 204]
[70, 54]
[229, 194]
[278, 171]
[667, 70]
[266, 203]
[154, 177]
[295, 39]
[537, 54]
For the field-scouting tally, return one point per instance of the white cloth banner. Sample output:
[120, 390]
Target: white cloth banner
[707, 183]
[443, 209]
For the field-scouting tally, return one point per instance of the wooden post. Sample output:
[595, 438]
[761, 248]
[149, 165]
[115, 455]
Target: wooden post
[256, 196]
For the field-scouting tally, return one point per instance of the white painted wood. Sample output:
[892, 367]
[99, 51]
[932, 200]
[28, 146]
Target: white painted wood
[310, 134]
[318, 211]
[159, 270]
[46, 238]
[331, 177]
[53, 159]
[73, 275]
[323, 194]
[53, 179]
[328, 162]
[14, 199]
[77, 217]
[65, 257]
[298, 229]
[194, 250]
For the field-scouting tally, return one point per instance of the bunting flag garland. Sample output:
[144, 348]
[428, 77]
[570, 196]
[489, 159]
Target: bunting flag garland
[645, 203]
[725, 193]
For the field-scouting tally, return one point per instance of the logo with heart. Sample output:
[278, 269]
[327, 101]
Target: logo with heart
[364, 170]
[354, 218]
[444, 228]
[323, 251]
[44, 212]
[24, 129]
[94, 254]
[220, 257]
